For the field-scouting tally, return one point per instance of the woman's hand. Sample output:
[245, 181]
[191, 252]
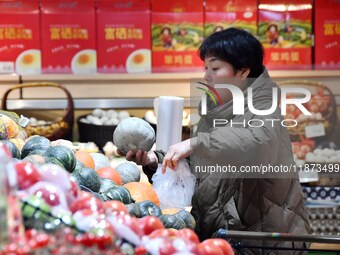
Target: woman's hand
[177, 152]
[142, 158]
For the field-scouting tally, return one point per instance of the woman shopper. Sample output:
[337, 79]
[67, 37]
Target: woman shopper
[266, 203]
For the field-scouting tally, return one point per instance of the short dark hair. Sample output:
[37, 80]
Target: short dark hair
[237, 47]
[166, 28]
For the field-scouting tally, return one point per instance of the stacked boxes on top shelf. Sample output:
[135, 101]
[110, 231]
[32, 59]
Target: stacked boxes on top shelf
[143, 36]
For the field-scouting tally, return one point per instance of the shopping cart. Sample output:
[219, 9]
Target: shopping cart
[237, 239]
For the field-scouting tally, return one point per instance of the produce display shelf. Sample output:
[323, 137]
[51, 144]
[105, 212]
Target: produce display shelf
[116, 103]
[134, 90]
[174, 76]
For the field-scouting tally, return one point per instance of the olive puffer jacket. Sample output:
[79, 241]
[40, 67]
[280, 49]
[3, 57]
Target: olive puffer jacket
[233, 201]
[259, 202]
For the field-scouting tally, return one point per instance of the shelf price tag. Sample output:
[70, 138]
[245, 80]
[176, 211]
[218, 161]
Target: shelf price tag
[6, 67]
[316, 130]
[23, 121]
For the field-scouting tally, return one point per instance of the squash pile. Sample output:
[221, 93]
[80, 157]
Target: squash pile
[105, 208]
[93, 173]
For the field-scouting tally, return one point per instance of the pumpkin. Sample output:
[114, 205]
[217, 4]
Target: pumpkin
[148, 208]
[129, 172]
[188, 219]
[100, 160]
[62, 142]
[117, 160]
[85, 158]
[78, 165]
[106, 184]
[13, 149]
[18, 142]
[3, 131]
[134, 210]
[110, 173]
[171, 221]
[99, 196]
[170, 211]
[33, 143]
[133, 134]
[8, 126]
[37, 152]
[118, 193]
[87, 179]
[142, 191]
[54, 161]
[61, 155]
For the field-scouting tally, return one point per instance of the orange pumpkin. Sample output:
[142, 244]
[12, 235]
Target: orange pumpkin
[9, 127]
[85, 158]
[110, 173]
[18, 142]
[142, 191]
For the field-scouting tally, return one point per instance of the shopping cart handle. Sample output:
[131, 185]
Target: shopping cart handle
[248, 235]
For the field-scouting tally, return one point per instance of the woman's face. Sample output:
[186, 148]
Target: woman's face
[166, 31]
[221, 72]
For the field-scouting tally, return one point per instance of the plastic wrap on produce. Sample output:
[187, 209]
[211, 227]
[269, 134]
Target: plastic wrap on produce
[169, 113]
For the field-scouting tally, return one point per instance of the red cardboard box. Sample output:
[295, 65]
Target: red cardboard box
[327, 34]
[177, 33]
[19, 37]
[285, 30]
[124, 36]
[222, 14]
[68, 36]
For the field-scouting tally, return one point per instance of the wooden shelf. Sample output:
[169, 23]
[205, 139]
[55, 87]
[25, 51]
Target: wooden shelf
[131, 90]
[9, 78]
[172, 76]
[323, 246]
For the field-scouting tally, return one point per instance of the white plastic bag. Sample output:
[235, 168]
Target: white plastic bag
[174, 188]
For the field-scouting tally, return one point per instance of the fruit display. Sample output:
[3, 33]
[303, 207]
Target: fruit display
[74, 201]
[102, 117]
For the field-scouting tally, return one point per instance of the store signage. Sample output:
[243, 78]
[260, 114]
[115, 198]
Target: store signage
[68, 36]
[19, 37]
[285, 31]
[327, 34]
[177, 33]
[222, 14]
[123, 36]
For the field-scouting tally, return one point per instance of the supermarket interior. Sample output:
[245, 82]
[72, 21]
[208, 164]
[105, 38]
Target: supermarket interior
[84, 83]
